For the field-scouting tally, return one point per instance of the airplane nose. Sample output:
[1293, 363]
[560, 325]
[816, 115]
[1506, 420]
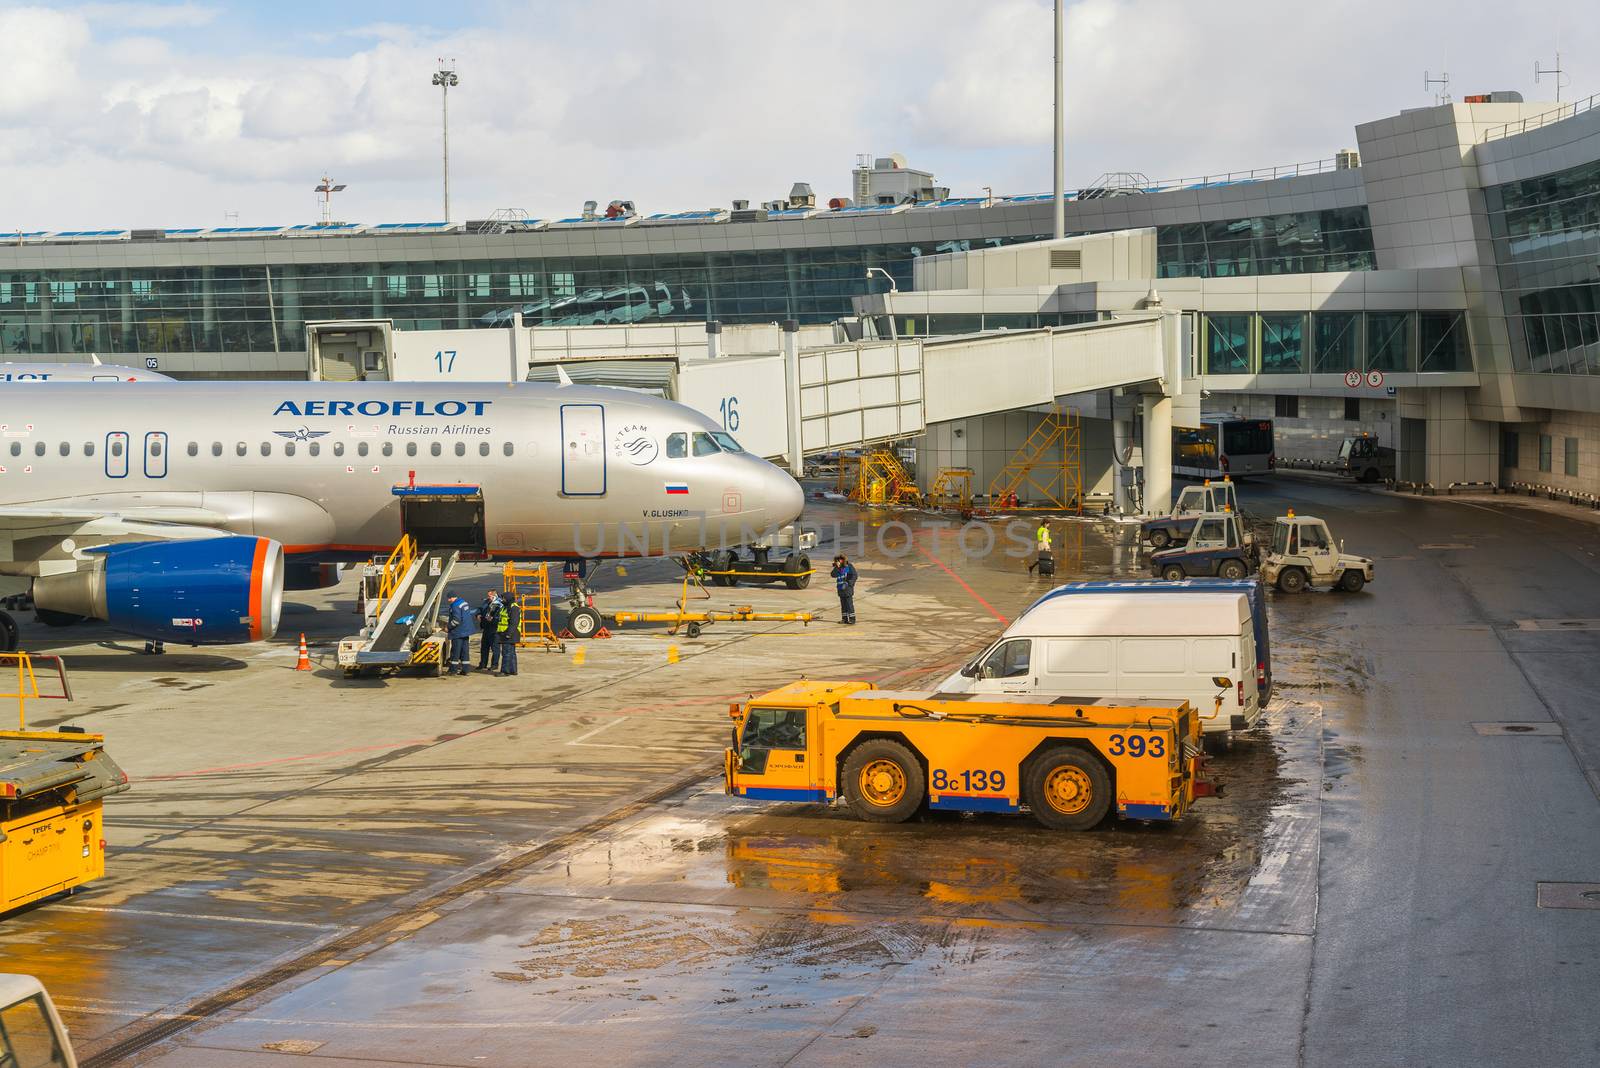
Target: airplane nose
[785, 499]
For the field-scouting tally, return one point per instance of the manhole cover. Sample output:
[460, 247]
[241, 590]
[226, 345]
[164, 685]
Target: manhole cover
[1569, 896]
[1538, 726]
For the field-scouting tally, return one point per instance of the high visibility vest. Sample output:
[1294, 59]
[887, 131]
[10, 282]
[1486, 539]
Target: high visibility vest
[505, 621]
[1042, 536]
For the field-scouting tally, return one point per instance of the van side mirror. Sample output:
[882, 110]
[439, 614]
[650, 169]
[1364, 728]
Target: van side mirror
[1221, 682]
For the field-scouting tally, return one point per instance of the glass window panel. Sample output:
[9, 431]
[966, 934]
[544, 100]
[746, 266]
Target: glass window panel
[1337, 336]
[1283, 344]
[1389, 345]
[1227, 344]
[1442, 341]
[1570, 456]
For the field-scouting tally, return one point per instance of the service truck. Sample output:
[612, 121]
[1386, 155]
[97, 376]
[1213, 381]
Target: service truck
[1193, 502]
[1364, 460]
[890, 753]
[1218, 547]
[1304, 554]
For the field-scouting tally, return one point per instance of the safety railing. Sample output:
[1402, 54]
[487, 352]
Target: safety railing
[1543, 118]
[396, 566]
[28, 683]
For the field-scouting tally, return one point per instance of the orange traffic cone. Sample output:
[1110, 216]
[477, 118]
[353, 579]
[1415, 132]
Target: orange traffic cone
[304, 663]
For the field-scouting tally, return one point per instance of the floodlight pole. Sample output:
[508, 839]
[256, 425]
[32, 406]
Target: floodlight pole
[1061, 123]
[444, 78]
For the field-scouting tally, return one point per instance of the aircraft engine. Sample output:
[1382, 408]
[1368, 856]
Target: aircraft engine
[209, 591]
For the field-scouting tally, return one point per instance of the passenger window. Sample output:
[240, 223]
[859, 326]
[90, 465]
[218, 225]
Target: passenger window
[703, 445]
[194, 448]
[338, 448]
[1008, 661]
[361, 448]
[65, 449]
[88, 448]
[216, 448]
[483, 448]
[435, 449]
[16, 448]
[238, 450]
[411, 448]
[509, 448]
[116, 448]
[314, 448]
[266, 448]
[288, 449]
[677, 446]
[461, 448]
[27, 1038]
[388, 448]
[38, 448]
[154, 447]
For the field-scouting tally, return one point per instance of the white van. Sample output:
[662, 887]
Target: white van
[1156, 646]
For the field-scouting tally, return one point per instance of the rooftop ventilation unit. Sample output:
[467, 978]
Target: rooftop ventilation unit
[146, 235]
[590, 208]
[741, 205]
[751, 214]
[1066, 259]
[1503, 96]
[801, 196]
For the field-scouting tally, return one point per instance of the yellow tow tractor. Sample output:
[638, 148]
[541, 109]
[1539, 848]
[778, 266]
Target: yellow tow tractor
[52, 786]
[888, 753]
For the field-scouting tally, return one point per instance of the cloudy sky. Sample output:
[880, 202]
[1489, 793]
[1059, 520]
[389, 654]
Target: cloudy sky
[171, 114]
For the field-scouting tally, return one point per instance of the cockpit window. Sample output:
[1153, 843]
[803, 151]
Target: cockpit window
[726, 441]
[703, 445]
[677, 446]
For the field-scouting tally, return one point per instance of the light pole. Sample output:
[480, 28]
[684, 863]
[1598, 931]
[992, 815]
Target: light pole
[879, 270]
[1060, 197]
[444, 78]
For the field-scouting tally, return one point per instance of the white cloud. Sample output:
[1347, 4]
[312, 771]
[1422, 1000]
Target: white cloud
[105, 119]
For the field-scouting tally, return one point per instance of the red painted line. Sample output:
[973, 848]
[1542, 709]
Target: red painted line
[963, 584]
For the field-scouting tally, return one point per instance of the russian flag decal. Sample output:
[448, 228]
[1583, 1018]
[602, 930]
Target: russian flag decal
[677, 487]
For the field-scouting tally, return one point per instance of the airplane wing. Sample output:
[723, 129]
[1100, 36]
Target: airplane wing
[37, 540]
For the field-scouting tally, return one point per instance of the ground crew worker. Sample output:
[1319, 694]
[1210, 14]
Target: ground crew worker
[510, 631]
[1041, 542]
[489, 623]
[1041, 537]
[462, 627]
[844, 580]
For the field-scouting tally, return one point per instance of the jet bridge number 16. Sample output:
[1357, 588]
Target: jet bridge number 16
[888, 753]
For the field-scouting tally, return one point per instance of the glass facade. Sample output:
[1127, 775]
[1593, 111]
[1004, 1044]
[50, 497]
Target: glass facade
[1276, 342]
[1547, 244]
[259, 308]
[1302, 242]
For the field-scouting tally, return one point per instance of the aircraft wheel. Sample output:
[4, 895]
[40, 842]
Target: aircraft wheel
[584, 622]
[1172, 572]
[1232, 569]
[794, 568]
[727, 561]
[10, 636]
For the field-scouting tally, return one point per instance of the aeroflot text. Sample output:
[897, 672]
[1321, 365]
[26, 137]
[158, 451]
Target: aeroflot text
[446, 408]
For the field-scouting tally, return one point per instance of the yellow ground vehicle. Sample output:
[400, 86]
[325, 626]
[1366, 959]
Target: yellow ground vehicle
[52, 784]
[887, 753]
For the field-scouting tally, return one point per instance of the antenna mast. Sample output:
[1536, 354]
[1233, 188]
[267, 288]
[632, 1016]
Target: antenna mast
[1556, 69]
[327, 189]
[1442, 81]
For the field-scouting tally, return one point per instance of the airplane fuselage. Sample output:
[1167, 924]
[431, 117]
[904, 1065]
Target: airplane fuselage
[563, 470]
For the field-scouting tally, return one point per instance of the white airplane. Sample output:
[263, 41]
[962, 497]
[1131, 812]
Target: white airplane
[180, 511]
[96, 371]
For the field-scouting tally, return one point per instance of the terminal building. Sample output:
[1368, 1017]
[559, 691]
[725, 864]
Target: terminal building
[1437, 286]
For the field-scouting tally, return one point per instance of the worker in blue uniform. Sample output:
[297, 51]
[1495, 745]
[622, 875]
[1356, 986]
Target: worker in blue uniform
[463, 625]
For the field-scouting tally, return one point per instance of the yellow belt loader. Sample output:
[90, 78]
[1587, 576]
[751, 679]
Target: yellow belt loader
[888, 753]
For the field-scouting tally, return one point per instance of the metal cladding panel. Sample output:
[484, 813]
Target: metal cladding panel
[813, 402]
[1119, 354]
[201, 592]
[845, 429]
[911, 387]
[746, 395]
[911, 418]
[814, 435]
[977, 375]
[881, 423]
[879, 360]
[842, 364]
[813, 369]
[877, 392]
[843, 396]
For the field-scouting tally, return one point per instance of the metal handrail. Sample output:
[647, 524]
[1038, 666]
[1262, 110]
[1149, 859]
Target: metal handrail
[1255, 174]
[395, 568]
[1543, 118]
[28, 683]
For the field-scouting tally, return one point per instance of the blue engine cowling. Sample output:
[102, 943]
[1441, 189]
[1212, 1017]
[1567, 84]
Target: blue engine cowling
[208, 591]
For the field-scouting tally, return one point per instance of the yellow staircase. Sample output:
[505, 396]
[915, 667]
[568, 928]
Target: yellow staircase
[882, 479]
[1046, 474]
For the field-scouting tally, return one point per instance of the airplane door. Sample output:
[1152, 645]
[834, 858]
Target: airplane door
[155, 454]
[117, 454]
[583, 452]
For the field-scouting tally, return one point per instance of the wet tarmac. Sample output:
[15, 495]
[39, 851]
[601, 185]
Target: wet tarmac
[531, 871]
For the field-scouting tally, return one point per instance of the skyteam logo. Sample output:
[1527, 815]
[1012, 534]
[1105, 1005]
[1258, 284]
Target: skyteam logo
[303, 434]
[635, 444]
[446, 409]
